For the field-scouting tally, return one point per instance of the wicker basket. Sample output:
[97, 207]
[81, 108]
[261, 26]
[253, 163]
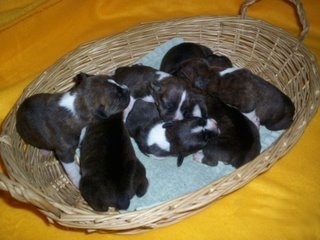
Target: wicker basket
[265, 49]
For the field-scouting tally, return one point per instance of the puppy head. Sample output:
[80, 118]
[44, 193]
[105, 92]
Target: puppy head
[197, 71]
[102, 95]
[190, 135]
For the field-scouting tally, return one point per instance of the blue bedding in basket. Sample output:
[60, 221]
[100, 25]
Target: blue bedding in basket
[166, 180]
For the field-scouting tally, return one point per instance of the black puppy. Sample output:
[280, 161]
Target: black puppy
[111, 172]
[182, 52]
[54, 121]
[176, 138]
[238, 141]
[240, 88]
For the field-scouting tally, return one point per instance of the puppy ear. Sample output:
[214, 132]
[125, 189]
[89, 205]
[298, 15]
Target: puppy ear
[80, 77]
[180, 160]
[101, 113]
[155, 85]
[167, 125]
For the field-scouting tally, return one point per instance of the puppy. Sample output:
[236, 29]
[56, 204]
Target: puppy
[54, 121]
[176, 138]
[173, 97]
[111, 172]
[240, 88]
[238, 141]
[177, 100]
[182, 52]
[139, 80]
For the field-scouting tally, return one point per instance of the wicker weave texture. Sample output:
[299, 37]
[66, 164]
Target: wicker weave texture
[263, 48]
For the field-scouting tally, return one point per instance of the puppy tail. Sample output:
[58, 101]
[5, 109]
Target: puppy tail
[180, 160]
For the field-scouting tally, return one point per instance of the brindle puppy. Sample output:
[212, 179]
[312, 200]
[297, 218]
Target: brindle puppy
[54, 121]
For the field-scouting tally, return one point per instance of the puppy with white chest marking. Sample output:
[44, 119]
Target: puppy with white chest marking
[173, 97]
[111, 172]
[176, 99]
[54, 121]
[175, 138]
[244, 90]
[238, 141]
[139, 80]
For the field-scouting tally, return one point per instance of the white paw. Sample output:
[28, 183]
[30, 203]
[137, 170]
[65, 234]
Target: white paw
[198, 156]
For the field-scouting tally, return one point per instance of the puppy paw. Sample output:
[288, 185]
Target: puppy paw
[198, 156]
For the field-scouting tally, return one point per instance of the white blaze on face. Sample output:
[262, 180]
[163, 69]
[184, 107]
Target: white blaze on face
[228, 70]
[196, 112]
[157, 136]
[211, 125]
[162, 75]
[67, 102]
[178, 114]
[82, 134]
[128, 109]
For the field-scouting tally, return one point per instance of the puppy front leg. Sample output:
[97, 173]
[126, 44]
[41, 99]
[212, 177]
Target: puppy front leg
[70, 166]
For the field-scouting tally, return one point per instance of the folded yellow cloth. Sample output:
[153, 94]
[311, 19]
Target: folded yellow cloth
[283, 203]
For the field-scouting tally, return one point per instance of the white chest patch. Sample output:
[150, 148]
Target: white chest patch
[162, 75]
[157, 135]
[178, 114]
[228, 70]
[67, 102]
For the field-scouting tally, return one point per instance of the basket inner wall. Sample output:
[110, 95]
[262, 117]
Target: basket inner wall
[266, 51]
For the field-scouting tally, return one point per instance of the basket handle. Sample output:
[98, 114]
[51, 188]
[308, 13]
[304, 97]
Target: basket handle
[299, 9]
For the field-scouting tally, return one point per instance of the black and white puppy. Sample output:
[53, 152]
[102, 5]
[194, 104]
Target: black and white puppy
[139, 79]
[238, 141]
[177, 100]
[54, 121]
[111, 172]
[173, 97]
[240, 88]
[175, 138]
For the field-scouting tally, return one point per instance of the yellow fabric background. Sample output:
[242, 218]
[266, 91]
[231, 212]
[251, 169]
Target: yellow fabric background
[283, 203]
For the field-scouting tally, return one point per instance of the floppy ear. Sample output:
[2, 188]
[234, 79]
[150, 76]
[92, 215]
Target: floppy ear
[155, 85]
[180, 160]
[167, 125]
[80, 77]
[186, 72]
[101, 113]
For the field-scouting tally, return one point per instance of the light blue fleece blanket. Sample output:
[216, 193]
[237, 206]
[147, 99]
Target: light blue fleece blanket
[166, 180]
